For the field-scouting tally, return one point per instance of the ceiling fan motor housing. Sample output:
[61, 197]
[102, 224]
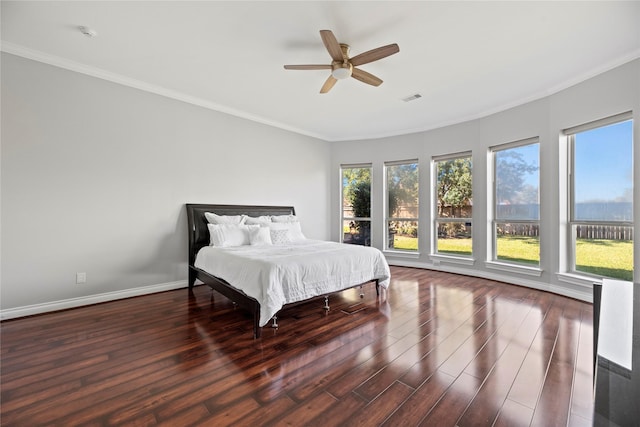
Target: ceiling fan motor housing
[341, 70]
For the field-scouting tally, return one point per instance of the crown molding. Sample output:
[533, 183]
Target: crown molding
[78, 67]
[495, 110]
[67, 64]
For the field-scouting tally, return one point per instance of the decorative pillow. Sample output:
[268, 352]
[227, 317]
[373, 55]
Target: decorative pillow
[260, 236]
[226, 235]
[284, 218]
[293, 228]
[279, 237]
[260, 220]
[224, 219]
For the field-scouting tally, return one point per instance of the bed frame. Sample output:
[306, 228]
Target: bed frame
[199, 237]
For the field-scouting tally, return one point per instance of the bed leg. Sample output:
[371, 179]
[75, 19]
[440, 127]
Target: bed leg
[377, 288]
[274, 325]
[257, 330]
[361, 292]
[326, 302]
[192, 277]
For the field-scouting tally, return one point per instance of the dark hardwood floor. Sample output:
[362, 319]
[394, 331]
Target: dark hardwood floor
[436, 350]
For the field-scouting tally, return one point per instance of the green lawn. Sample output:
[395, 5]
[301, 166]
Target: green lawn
[609, 258]
[454, 246]
[522, 249]
[405, 243]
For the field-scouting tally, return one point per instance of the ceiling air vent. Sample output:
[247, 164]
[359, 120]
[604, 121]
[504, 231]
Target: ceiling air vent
[412, 97]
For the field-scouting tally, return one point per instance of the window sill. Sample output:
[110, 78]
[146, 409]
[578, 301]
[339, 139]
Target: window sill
[401, 254]
[577, 279]
[437, 259]
[513, 268]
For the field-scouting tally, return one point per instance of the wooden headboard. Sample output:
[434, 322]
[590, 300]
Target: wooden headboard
[199, 232]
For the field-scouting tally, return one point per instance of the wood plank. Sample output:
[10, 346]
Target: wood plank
[420, 403]
[486, 404]
[555, 397]
[448, 409]
[338, 370]
[382, 407]
[267, 412]
[533, 373]
[442, 350]
[305, 412]
[582, 391]
[338, 413]
[513, 414]
[436, 349]
[359, 374]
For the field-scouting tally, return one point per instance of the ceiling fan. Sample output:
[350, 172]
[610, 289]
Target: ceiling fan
[343, 67]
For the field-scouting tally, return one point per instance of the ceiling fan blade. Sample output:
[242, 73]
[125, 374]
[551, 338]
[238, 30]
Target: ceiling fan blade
[365, 77]
[328, 84]
[374, 54]
[307, 67]
[332, 45]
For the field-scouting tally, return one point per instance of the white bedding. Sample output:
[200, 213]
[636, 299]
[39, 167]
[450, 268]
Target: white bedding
[278, 275]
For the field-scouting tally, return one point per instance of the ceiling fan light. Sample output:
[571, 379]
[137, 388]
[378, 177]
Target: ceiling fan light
[342, 71]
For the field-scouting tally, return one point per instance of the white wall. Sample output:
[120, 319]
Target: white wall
[607, 94]
[95, 176]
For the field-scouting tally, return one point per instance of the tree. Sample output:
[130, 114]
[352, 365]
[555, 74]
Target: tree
[511, 169]
[454, 184]
[360, 196]
[402, 186]
[356, 184]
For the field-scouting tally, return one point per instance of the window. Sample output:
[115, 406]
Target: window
[516, 207]
[402, 205]
[356, 204]
[454, 205]
[601, 198]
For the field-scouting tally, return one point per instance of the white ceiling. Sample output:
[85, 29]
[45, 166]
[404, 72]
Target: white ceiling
[466, 59]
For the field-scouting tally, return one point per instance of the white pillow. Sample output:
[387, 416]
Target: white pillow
[284, 218]
[260, 236]
[265, 219]
[293, 228]
[226, 235]
[224, 219]
[279, 237]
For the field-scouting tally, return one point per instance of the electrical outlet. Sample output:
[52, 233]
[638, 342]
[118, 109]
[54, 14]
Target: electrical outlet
[81, 278]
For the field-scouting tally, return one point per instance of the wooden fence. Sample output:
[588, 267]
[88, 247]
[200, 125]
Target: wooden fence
[530, 230]
[608, 232]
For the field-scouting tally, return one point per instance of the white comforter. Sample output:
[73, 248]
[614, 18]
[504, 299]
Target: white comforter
[278, 275]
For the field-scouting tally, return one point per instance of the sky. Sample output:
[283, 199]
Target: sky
[531, 155]
[604, 163]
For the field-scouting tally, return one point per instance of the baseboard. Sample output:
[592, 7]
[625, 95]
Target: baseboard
[30, 310]
[579, 294]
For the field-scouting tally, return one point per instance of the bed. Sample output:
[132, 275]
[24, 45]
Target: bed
[263, 278]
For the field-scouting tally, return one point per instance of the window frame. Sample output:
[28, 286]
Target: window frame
[572, 223]
[388, 218]
[493, 252]
[359, 219]
[436, 219]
